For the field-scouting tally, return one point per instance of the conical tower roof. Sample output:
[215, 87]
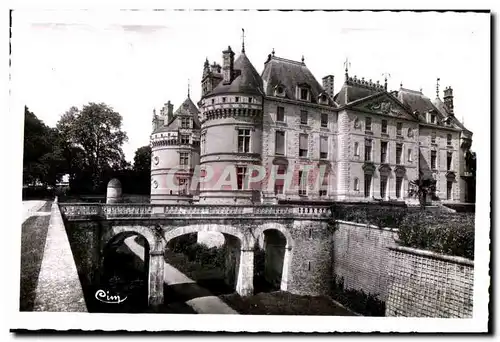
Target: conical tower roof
[247, 80]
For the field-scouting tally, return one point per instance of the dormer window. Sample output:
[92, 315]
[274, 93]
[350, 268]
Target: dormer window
[433, 118]
[304, 94]
[223, 99]
[250, 100]
[323, 99]
[279, 91]
[236, 99]
[185, 122]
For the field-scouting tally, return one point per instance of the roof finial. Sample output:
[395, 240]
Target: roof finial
[302, 58]
[421, 90]
[401, 85]
[386, 76]
[243, 40]
[347, 64]
[273, 52]
[463, 122]
[437, 87]
[189, 86]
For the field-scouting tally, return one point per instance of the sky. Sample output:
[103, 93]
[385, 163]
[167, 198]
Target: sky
[136, 61]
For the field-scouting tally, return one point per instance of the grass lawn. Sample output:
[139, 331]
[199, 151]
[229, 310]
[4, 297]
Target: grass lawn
[283, 303]
[34, 233]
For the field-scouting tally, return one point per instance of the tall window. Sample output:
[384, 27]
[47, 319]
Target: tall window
[448, 139]
[184, 139]
[449, 187]
[324, 120]
[184, 158]
[324, 185]
[356, 184]
[280, 114]
[278, 183]
[383, 152]
[368, 184]
[399, 128]
[399, 153]
[356, 149]
[303, 145]
[383, 186]
[240, 177]
[449, 156]
[323, 147]
[433, 160]
[280, 143]
[204, 142]
[303, 117]
[433, 118]
[399, 183]
[384, 126]
[368, 124]
[302, 183]
[243, 140]
[410, 157]
[368, 150]
[236, 99]
[433, 137]
[185, 122]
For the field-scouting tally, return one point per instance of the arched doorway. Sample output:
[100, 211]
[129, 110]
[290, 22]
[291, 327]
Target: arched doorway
[124, 274]
[270, 261]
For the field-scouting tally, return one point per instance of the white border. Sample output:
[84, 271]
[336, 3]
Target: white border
[12, 170]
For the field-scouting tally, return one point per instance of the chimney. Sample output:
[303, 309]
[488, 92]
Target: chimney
[228, 65]
[448, 99]
[170, 111]
[328, 85]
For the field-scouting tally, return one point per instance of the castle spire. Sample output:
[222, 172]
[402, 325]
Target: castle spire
[347, 64]
[437, 87]
[189, 86]
[243, 40]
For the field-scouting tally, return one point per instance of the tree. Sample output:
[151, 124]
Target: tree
[94, 139]
[43, 158]
[142, 169]
[420, 188]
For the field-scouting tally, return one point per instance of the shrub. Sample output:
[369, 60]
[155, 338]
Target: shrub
[451, 234]
[366, 304]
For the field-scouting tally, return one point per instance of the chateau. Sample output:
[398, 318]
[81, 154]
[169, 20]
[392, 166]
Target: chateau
[369, 141]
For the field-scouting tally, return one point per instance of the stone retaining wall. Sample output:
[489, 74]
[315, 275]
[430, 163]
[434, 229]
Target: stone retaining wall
[361, 257]
[427, 284]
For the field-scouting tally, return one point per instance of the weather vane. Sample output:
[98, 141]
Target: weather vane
[243, 40]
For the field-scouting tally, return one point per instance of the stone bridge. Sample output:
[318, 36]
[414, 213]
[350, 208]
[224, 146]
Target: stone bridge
[297, 240]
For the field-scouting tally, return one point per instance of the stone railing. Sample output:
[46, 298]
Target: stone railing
[88, 211]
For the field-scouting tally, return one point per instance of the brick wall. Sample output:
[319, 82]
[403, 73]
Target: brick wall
[426, 284]
[360, 256]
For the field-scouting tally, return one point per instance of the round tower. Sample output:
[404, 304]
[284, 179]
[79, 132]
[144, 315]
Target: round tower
[175, 152]
[231, 133]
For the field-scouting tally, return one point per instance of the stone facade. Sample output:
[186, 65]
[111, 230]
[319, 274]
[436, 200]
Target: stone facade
[371, 142]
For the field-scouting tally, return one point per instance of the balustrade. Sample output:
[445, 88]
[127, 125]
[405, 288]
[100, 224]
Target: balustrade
[183, 211]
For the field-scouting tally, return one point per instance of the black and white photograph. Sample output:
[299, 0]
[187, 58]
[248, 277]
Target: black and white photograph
[272, 171]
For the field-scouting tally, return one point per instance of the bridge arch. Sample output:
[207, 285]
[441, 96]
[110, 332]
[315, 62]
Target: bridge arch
[245, 240]
[135, 230]
[244, 255]
[277, 253]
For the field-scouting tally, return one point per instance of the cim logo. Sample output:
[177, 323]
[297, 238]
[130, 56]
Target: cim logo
[105, 297]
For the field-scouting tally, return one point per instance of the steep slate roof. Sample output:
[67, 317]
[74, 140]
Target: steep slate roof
[247, 80]
[442, 108]
[186, 108]
[289, 74]
[356, 89]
